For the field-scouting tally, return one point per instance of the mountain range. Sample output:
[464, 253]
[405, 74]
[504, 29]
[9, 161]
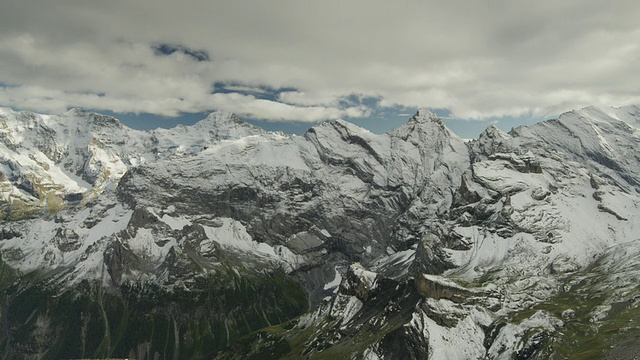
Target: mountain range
[223, 240]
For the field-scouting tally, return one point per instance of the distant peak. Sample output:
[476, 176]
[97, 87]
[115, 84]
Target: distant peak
[492, 132]
[227, 125]
[587, 115]
[221, 115]
[340, 126]
[223, 118]
[425, 114]
[424, 122]
[76, 111]
[425, 117]
[220, 118]
[96, 119]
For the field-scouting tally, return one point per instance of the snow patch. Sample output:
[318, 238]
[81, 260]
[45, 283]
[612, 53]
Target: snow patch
[232, 235]
[333, 284]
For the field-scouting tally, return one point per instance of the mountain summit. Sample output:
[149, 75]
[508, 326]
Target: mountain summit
[224, 240]
[223, 125]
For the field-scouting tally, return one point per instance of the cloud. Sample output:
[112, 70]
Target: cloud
[475, 59]
[249, 106]
[55, 101]
[309, 98]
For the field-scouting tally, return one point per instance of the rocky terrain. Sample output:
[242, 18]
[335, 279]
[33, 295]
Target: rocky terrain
[222, 240]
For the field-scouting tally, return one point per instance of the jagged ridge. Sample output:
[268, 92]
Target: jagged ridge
[519, 214]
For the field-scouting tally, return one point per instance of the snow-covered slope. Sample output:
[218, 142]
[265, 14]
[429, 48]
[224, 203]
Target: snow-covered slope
[78, 154]
[452, 240]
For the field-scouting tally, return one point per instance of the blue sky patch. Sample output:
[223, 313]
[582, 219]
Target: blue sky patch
[163, 49]
[257, 91]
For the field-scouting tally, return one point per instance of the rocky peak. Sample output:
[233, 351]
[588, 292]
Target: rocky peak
[225, 125]
[222, 117]
[68, 126]
[492, 140]
[103, 121]
[426, 115]
[423, 126]
[492, 132]
[426, 118]
[76, 112]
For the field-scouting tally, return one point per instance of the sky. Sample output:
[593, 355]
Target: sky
[287, 64]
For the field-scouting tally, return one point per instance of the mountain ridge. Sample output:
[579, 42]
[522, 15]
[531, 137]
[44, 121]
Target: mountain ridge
[474, 236]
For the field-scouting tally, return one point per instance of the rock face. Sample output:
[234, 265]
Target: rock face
[410, 244]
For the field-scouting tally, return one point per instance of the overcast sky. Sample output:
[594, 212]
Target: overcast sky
[301, 61]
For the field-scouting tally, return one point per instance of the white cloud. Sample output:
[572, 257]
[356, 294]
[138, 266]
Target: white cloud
[248, 105]
[477, 59]
[307, 98]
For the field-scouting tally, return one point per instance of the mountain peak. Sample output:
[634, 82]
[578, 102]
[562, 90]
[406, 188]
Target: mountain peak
[93, 119]
[424, 115]
[424, 121]
[492, 132]
[76, 111]
[226, 125]
[591, 113]
[223, 116]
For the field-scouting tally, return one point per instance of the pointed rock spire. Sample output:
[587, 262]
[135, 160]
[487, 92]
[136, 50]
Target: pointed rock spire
[426, 124]
[492, 132]
[425, 114]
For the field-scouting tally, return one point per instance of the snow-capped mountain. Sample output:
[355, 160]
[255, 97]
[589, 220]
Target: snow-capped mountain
[338, 243]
